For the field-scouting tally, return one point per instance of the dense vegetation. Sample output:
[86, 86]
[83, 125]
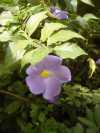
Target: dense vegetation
[28, 33]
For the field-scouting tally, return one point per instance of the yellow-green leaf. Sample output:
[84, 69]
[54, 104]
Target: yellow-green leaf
[50, 28]
[88, 2]
[35, 55]
[34, 21]
[92, 67]
[69, 50]
[62, 36]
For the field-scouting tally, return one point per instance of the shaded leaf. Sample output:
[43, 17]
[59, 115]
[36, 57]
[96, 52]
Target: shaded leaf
[78, 129]
[87, 122]
[13, 107]
[97, 114]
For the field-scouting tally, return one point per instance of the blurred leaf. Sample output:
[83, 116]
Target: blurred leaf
[92, 130]
[87, 122]
[89, 16]
[6, 17]
[49, 28]
[34, 21]
[78, 129]
[89, 114]
[69, 50]
[96, 98]
[97, 114]
[74, 5]
[42, 117]
[13, 107]
[88, 2]
[34, 56]
[34, 111]
[92, 67]
[62, 36]
[5, 36]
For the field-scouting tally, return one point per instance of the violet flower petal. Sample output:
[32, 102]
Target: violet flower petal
[62, 15]
[32, 70]
[52, 86]
[49, 62]
[58, 13]
[98, 61]
[36, 85]
[63, 73]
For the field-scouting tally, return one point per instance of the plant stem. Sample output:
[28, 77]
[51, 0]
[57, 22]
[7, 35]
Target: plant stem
[16, 96]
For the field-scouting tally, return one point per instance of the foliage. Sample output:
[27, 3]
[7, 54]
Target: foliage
[28, 33]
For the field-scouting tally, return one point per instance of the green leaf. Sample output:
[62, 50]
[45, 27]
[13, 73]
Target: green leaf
[88, 2]
[92, 67]
[34, 21]
[96, 98]
[15, 51]
[78, 129]
[34, 112]
[87, 122]
[97, 114]
[13, 107]
[35, 55]
[89, 114]
[69, 50]
[89, 16]
[49, 28]
[5, 36]
[92, 130]
[6, 17]
[74, 4]
[62, 36]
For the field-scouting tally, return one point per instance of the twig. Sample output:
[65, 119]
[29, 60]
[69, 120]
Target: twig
[16, 96]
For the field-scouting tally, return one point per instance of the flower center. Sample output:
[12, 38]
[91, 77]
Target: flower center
[44, 74]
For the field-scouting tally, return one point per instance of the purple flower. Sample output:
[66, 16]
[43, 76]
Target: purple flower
[98, 61]
[47, 76]
[60, 14]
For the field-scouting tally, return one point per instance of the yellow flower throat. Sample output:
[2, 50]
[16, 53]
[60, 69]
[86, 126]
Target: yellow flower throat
[44, 74]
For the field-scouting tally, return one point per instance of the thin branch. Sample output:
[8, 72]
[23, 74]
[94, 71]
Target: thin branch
[16, 96]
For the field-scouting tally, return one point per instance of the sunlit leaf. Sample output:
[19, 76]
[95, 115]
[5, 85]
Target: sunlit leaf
[88, 2]
[89, 16]
[92, 67]
[74, 4]
[34, 21]
[6, 17]
[35, 55]
[5, 36]
[62, 36]
[49, 28]
[69, 50]
[15, 51]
